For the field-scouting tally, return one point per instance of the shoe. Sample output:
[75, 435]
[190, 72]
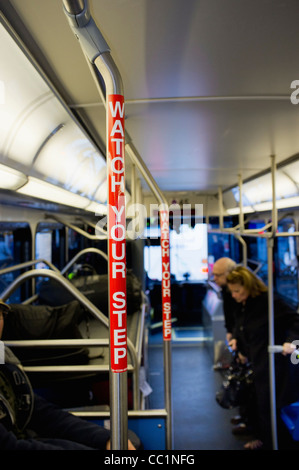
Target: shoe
[253, 445]
[236, 419]
[241, 430]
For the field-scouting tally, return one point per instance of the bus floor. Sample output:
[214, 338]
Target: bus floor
[199, 422]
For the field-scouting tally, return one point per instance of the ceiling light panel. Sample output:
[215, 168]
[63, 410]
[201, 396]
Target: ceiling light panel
[69, 159]
[292, 170]
[10, 178]
[29, 111]
[259, 190]
[38, 134]
[42, 190]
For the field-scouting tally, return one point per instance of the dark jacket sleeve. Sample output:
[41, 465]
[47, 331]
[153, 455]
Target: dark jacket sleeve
[50, 421]
[56, 430]
[8, 441]
[229, 308]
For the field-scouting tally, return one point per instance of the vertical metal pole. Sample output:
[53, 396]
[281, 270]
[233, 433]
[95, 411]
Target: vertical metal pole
[241, 216]
[33, 228]
[116, 250]
[274, 209]
[244, 248]
[133, 154]
[166, 310]
[133, 185]
[270, 246]
[97, 52]
[220, 204]
[67, 245]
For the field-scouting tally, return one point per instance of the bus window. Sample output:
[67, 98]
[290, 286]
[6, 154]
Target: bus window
[188, 254]
[75, 243]
[43, 248]
[257, 256]
[6, 249]
[286, 266]
[15, 246]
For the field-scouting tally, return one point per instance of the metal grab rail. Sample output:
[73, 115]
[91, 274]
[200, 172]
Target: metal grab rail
[62, 280]
[81, 253]
[86, 302]
[135, 356]
[53, 343]
[63, 343]
[137, 160]
[75, 228]
[139, 335]
[275, 348]
[94, 226]
[27, 264]
[160, 413]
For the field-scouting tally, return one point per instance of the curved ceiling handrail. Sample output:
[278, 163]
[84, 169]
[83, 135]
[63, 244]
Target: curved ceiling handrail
[82, 252]
[75, 228]
[94, 226]
[72, 289]
[27, 264]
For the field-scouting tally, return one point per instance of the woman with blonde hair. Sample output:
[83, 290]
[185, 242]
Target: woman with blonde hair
[243, 276]
[251, 340]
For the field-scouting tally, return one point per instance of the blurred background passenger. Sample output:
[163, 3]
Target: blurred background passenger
[251, 340]
[222, 267]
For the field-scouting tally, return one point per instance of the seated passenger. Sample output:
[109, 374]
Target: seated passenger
[28, 422]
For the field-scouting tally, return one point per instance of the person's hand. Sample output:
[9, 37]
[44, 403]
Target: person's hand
[288, 348]
[130, 445]
[233, 344]
[242, 359]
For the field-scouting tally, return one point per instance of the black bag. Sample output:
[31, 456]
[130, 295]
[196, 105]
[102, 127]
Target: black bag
[30, 322]
[236, 386]
[95, 288]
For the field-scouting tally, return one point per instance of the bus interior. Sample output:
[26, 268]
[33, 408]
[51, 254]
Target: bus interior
[210, 133]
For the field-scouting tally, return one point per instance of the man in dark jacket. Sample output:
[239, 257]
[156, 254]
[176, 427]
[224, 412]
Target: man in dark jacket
[222, 267]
